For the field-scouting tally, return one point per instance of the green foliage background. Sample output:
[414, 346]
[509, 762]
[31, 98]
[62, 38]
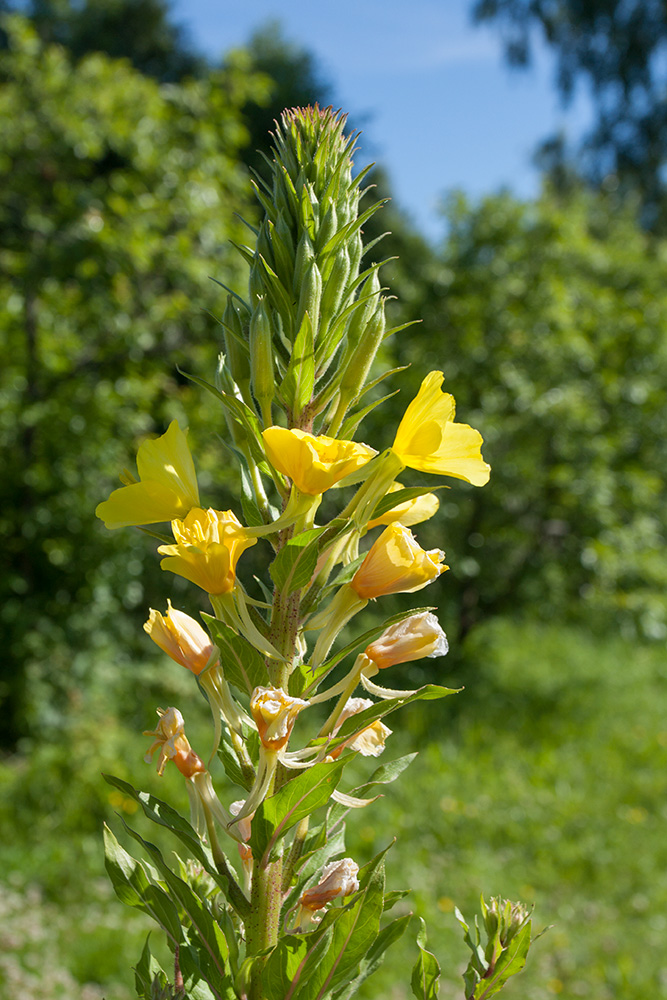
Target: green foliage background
[545, 778]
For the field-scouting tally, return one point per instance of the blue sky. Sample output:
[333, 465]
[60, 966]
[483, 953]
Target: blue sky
[440, 108]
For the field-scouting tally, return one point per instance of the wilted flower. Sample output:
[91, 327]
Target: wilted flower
[180, 637]
[274, 713]
[411, 639]
[208, 546]
[409, 512]
[314, 464]
[171, 741]
[370, 742]
[338, 879]
[167, 488]
[396, 564]
[428, 439]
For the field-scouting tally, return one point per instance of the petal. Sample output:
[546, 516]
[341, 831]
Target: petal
[459, 455]
[142, 503]
[168, 460]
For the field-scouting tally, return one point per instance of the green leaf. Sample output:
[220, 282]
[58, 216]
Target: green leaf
[291, 964]
[511, 961]
[306, 792]
[351, 422]
[212, 951]
[299, 381]
[387, 936]
[231, 766]
[394, 897]
[237, 410]
[295, 564]
[242, 664]
[383, 775]
[146, 972]
[425, 980]
[357, 723]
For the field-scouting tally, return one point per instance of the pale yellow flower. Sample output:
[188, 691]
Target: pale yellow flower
[412, 639]
[207, 548]
[314, 464]
[429, 440]
[171, 741]
[337, 880]
[397, 564]
[274, 713]
[180, 637]
[370, 742]
[409, 512]
[168, 487]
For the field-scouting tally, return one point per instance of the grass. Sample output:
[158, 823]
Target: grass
[545, 780]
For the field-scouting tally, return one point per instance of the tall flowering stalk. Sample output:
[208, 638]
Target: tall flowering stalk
[267, 907]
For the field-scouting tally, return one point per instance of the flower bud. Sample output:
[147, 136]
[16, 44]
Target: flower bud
[396, 564]
[338, 879]
[261, 355]
[504, 919]
[172, 743]
[237, 357]
[412, 639]
[181, 637]
[274, 713]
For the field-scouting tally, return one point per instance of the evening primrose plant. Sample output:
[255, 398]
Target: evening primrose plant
[265, 905]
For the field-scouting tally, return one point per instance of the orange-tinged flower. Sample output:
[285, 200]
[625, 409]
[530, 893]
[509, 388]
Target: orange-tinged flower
[168, 486]
[171, 741]
[337, 880]
[180, 637]
[397, 564]
[274, 713]
[314, 464]
[207, 548]
[370, 742]
[411, 639]
[409, 512]
[428, 439]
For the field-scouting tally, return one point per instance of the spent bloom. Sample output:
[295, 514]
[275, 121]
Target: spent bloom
[314, 464]
[207, 547]
[337, 880]
[274, 713]
[411, 639]
[370, 742]
[171, 741]
[409, 512]
[429, 440]
[181, 637]
[167, 488]
[397, 564]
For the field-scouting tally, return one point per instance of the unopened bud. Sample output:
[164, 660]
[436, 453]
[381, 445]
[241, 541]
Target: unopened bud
[261, 355]
[339, 879]
[236, 349]
[412, 639]
[180, 637]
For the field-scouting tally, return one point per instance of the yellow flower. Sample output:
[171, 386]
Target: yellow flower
[412, 639]
[208, 546]
[313, 464]
[410, 511]
[397, 564]
[172, 743]
[168, 487]
[274, 713]
[428, 439]
[180, 637]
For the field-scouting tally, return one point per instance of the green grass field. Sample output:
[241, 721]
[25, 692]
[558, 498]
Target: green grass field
[544, 780]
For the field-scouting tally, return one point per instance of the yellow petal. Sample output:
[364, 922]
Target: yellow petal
[142, 503]
[396, 564]
[313, 463]
[410, 512]
[427, 438]
[167, 460]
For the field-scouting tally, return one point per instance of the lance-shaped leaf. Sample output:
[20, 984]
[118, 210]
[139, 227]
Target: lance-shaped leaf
[134, 888]
[383, 775]
[425, 980]
[242, 664]
[357, 723]
[292, 963]
[148, 973]
[351, 423]
[212, 951]
[306, 792]
[355, 929]
[299, 382]
[295, 564]
[237, 410]
[375, 955]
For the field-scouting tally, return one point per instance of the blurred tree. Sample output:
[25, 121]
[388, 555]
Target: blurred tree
[117, 201]
[549, 321]
[617, 46]
[139, 30]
